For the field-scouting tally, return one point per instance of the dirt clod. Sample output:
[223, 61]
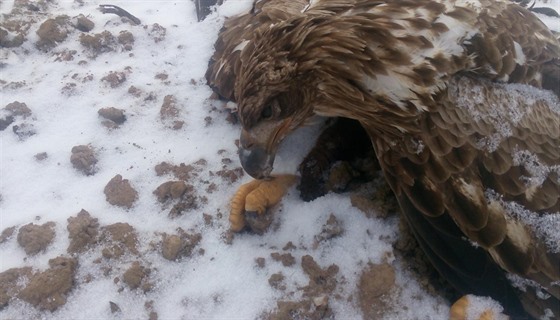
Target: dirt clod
[157, 32]
[83, 231]
[126, 39]
[119, 192]
[277, 281]
[11, 283]
[171, 190]
[287, 259]
[48, 289]
[376, 284]
[135, 276]
[18, 109]
[83, 159]
[169, 108]
[178, 246]
[113, 114]
[36, 238]
[114, 307]
[171, 247]
[41, 156]
[98, 43]
[24, 131]
[114, 79]
[7, 234]
[83, 24]
[119, 238]
[331, 229]
[261, 262]
[51, 32]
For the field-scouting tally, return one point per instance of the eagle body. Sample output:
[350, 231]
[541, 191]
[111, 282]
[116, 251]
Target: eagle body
[460, 101]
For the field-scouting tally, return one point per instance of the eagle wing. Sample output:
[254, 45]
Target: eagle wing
[477, 171]
[486, 169]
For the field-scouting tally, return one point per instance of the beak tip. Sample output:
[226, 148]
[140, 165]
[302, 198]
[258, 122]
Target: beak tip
[256, 162]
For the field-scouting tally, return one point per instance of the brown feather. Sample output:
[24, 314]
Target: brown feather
[468, 156]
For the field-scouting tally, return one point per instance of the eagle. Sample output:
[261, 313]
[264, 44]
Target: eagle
[460, 100]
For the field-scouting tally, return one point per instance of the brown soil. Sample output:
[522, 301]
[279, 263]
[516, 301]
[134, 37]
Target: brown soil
[83, 159]
[83, 231]
[113, 114]
[36, 238]
[118, 239]
[48, 289]
[376, 285]
[119, 192]
[178, 246]
[100, 43]
[137, 277]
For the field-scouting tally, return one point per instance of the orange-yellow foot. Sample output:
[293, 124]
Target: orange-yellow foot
[256, 196]
[473, 307]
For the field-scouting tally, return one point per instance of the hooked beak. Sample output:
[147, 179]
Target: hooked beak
[256, 161]
[258, 146]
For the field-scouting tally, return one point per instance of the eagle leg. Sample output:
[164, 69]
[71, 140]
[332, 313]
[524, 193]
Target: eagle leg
[459, 311]
[256, 196]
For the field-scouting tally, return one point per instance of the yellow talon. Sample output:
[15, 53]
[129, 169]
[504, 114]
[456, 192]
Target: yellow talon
[257, 196]
[459, 309]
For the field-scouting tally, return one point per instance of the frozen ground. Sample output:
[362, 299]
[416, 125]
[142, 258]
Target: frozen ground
[166, 255]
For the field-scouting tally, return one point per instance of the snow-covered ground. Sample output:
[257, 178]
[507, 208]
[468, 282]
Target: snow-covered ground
[65, 86]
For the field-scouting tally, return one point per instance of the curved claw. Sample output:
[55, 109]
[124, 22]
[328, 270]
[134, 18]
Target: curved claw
[257, 196]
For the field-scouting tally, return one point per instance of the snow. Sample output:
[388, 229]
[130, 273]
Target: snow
[221, 283]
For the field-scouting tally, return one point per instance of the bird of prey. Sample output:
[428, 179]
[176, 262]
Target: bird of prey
[460, 99]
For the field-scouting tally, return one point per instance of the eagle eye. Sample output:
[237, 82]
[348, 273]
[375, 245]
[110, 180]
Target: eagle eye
[270, 109]
[266, 113]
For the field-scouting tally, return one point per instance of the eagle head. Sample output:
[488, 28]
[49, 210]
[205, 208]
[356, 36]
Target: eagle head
[274, 98]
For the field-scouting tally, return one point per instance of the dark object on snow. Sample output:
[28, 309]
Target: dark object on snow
[546, 11]
[203, 7]
[109, 8]
[542, 10]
